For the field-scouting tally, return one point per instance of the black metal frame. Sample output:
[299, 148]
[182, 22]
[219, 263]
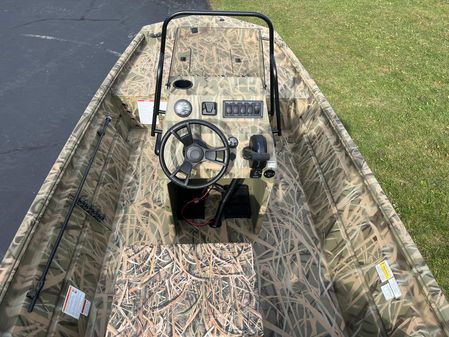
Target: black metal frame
[274, 87]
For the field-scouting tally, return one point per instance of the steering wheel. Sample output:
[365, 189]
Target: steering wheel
[195, 152]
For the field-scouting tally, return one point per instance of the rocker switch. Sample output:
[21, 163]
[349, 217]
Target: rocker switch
[257, 109]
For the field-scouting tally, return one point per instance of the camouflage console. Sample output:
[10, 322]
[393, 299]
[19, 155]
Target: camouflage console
[216, 131]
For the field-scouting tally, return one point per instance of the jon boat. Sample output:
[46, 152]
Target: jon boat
[209, 189]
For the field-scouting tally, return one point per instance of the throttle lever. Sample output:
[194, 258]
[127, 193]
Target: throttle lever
[249, 154]
[257, 155]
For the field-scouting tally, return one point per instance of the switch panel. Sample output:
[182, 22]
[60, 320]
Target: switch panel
[242, 109]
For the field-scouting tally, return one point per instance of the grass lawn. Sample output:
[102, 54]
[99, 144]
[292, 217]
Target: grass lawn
[384, 67]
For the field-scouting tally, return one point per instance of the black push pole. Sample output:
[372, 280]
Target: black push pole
[35, 292]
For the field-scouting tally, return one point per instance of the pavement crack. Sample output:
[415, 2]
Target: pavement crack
[54, 38]
[29, 148]
[63, 19]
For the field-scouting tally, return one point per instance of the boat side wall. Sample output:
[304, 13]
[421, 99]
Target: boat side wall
[358, 224]
[80, 255]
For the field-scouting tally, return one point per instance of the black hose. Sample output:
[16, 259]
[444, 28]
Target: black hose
[229, 193]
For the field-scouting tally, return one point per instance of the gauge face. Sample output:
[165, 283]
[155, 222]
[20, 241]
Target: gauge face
[183, 108]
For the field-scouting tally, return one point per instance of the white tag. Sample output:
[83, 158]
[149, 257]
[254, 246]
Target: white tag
[74, 302]
[86, 308]
[145, 107]
[271, 164]
[386, 290]
[384, 271]
[395, 287]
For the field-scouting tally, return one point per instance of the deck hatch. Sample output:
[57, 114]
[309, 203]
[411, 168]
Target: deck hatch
[217, 52]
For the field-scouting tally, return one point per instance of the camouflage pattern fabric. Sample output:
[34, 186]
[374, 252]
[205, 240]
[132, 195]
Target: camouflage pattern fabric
[295, 295]
[186, 290]
[327, 225]
[228, 55]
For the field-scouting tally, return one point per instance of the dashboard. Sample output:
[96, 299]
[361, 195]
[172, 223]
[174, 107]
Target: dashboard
[236, 105]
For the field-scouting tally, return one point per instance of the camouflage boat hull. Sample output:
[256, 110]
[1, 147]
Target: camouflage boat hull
[328, 224]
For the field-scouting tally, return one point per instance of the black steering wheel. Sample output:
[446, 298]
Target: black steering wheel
[195, 152]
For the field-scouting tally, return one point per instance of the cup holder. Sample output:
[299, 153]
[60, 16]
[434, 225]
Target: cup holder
[182, 84]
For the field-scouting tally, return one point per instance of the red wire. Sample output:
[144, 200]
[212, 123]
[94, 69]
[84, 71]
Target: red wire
[195, 201]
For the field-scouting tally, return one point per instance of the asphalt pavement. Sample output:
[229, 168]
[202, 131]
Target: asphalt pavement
[53, 56]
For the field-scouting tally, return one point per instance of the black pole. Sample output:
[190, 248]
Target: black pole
[274, 88]
[224, 201]
[34, 293]
[278, 131]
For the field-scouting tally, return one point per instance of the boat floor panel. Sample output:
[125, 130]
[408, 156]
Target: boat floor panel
[296, 297]
[186, 290]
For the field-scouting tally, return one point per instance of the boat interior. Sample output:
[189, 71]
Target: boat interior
[217, 219]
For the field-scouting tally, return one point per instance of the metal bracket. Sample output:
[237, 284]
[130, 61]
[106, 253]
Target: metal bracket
[90, 209]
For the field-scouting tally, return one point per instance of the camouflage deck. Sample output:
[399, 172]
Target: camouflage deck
[186, 290]
[287, 250]
[327, 226]
[233, 56]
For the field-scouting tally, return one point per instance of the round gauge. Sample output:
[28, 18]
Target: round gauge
[183, 108]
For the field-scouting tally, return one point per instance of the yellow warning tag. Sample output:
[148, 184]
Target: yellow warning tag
[384, 271]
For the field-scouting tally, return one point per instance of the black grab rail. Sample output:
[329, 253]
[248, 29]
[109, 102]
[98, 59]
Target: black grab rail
[274, 88]
[35, 292]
